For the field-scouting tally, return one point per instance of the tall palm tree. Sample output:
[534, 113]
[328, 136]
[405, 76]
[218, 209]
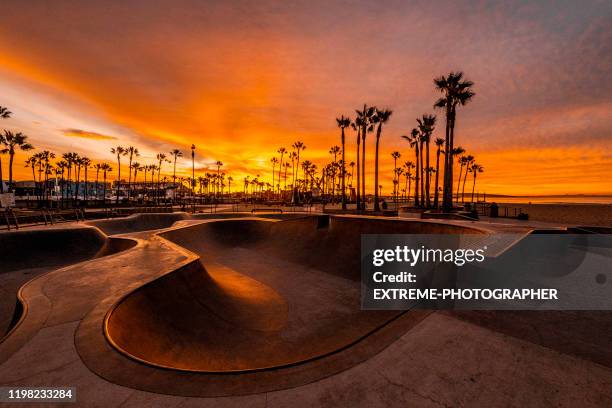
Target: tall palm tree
[86, 162]
[343, 123]
[219, 164]
[31, 162]
[469, 161]
[381, 117]
[366, 116]
[97, 167]
[298, 146]
[176, 153]
[4, 114]
[12, 141]
[106, 168]
[414, 141]
[136, 167]
[356, 126]
[475, 169]
[409, 166]
[427, 125]
[78, 164]
[282, 152]
[131, 152]
[462, 162]
[274, 161]
[395, 155]
[118, 151]
[439, 143]
[161, 158]
[455, 92]
[286, 165]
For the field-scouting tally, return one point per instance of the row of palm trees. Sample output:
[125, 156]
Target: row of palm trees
[456, 91]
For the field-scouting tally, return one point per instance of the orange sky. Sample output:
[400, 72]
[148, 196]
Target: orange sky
[241, 80]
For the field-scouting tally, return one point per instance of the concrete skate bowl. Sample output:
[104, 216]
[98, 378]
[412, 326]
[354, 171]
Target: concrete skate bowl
[265, 296]
[138, 222]
[25, 255]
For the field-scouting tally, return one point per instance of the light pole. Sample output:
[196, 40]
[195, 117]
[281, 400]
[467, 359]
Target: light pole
[193, 176]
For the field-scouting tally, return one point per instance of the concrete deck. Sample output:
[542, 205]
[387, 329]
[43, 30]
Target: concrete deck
[431, 359]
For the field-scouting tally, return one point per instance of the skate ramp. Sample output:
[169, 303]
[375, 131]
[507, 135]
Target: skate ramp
[264, 294]
[138, 222]
[25, 255]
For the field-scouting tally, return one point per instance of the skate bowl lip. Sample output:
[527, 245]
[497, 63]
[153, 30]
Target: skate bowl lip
[22, 297]
[192, 257]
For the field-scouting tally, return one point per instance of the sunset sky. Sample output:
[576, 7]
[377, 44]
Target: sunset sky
[242, 78]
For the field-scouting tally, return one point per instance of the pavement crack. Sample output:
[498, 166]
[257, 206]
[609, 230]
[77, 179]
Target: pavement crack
[412, 391]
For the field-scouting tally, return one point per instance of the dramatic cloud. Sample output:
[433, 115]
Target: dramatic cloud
[86, 135]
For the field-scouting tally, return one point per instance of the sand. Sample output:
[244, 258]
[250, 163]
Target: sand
[566, 214]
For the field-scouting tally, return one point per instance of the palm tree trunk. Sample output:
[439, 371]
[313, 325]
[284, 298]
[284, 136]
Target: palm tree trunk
[446, 201]
[437, 178]
[118, 179]
[343, 174]
[459, 180]
[473, 186]
[1, 182]
[422, 174]
[463, 189]
[428, 183]
[358, 189]
[416, 176]
[86, 185]
[363, 162]
[10, 179]
[376, 204]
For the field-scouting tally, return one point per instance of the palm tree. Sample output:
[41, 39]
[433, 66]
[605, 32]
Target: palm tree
[287, 165]
[395, 155]
[462, 161]
[475, 169]
[3, 150]
[469, 161]
[413, 139]
[273, 160]
[457, 151]
[106, 168]
[176, 153]
[381, 117]
[132, 152]
[409, 166]
[98, 167]
[11, 141]
[439, 142]
[229, 185]
[86, 162]
[343, 123]
[119, 151]
[219, 164]
[298, 146]
[78, 165]
[282, 152]
[426, 126]
[5, 113]
[366, 116]
[161, 158]
[136, 167]
[45, 157]
[456, 92]
[356, 126]
[31, 162]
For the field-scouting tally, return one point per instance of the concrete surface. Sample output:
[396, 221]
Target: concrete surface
[430, 359]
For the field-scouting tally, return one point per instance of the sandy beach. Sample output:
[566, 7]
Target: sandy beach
[570, 214]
